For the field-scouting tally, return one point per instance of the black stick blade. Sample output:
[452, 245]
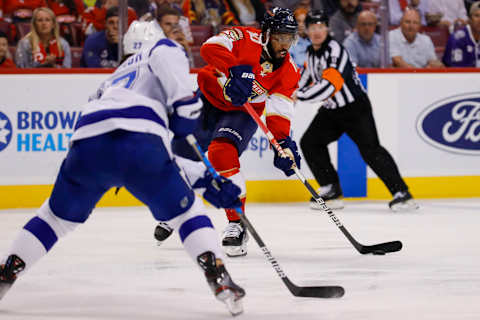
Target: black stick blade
[321, 292]
[392, 246]
[314, 292]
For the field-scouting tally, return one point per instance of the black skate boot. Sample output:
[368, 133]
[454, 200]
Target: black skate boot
[162, 232]
[8, 273]
[332, 195]
[220, 283]
[235, 239]
[403, 201]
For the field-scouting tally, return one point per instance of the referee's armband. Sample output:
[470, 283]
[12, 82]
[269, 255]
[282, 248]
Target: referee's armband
[334, 77]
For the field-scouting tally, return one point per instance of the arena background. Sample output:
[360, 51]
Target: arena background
[428, 119]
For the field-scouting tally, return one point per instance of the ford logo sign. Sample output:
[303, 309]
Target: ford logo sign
[452, 124]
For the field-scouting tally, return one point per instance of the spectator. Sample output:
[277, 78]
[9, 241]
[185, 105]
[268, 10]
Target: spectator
[363, 46]
[398, 7]
[101, 48]
[43, 47]
[463, 47]
[67, 11]
[344, 20]
[5, 60]
[141, 7]
[447, 13]
[213, 12]
[328, 6]
[19, 10]
[409, 48]
[298, 52]
[94, 17]
[247, 12]
[170, 21]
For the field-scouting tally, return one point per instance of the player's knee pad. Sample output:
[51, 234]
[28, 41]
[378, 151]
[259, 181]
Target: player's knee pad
[223, 155]
[191, 220]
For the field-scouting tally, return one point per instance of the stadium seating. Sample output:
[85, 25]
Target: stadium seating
[439, 35]
[201, 33]
[198, 61]
[76, 56]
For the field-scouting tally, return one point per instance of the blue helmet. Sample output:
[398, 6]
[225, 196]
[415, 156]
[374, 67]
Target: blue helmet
[279, 20]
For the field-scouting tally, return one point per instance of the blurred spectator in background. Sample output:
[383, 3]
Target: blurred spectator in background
[101, 48]
[408, 47]
[247, 12]
[212, 12]
[398, 7]
[5, 59]
[169, 21]
[19, 10]
[67, 11]
[463, 47]
[94, 17]
[328, 6]
[363, 45]
[343, 21]
[298, 52]
[447, 13]
[43, 47]
[468, 4]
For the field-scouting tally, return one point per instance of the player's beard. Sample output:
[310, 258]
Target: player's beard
[273, 58]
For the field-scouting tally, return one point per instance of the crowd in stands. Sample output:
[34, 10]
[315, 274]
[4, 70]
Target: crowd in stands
[85, 33]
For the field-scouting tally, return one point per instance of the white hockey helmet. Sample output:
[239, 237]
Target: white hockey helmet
[141, 36]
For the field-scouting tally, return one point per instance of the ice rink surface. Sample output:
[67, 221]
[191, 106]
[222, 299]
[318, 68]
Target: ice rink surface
[111, 268]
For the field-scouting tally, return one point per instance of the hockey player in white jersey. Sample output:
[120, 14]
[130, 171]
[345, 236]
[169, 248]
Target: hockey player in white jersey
[123, 139]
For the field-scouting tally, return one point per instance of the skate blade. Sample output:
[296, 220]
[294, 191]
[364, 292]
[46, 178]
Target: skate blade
[234, 304]
[4, 287]
[409, 205]
[336, 204]
[235, 251]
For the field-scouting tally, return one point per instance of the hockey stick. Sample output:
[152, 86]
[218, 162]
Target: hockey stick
[380, 248]
[311, 292]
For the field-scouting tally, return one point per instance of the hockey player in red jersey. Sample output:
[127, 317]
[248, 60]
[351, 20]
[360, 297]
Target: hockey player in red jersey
[245, 64]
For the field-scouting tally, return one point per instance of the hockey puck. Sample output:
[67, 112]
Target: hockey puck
[379, 252]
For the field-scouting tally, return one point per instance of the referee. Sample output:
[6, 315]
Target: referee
[330, 79]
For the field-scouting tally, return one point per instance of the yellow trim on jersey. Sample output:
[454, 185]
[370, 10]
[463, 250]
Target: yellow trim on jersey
[282, 96]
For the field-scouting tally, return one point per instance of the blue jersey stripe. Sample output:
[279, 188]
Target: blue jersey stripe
[194, 224]
[42, 231]
[192, 100]
[135, 112]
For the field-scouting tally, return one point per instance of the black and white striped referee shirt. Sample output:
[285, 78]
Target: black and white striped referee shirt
[330, 77]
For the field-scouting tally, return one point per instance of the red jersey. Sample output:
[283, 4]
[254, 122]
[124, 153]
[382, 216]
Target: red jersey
[96, 16]
[11, 6]
[61, 9]
[7, 63]
[272, 90]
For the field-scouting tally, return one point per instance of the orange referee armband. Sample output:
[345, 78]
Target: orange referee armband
[334, 77]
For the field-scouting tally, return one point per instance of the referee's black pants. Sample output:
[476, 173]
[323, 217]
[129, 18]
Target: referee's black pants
[355, 119]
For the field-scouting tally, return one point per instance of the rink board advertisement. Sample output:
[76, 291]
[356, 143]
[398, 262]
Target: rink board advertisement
[430, 123]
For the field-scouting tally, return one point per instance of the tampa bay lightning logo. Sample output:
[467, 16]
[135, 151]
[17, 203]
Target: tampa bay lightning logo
[452, 124]
[5, 131]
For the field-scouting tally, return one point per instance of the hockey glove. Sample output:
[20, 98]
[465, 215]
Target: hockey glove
[239, 85]
[220, 192]
[285, 164]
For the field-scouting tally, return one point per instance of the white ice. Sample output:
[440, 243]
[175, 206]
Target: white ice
[111, 268]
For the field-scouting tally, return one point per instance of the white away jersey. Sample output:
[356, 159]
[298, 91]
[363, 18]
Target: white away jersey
[141, 94]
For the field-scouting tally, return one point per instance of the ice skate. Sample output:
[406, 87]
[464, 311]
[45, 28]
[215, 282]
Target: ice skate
[332, 195]
[235, 238]
[403, 201]
[8, 273]
[162, 232]
[222, 286]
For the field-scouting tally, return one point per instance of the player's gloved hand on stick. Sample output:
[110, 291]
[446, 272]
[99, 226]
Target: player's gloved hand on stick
[239, 84]
[220, 192]
[285, 164]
